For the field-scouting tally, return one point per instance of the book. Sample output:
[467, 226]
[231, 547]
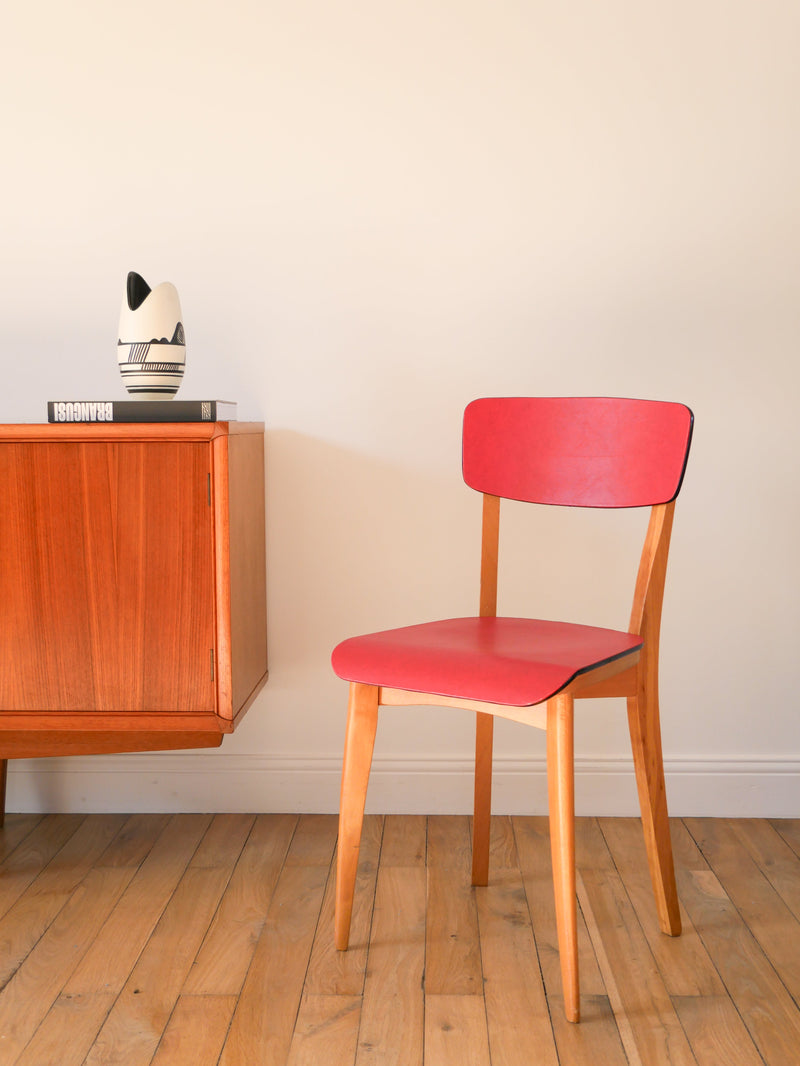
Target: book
[140, 411]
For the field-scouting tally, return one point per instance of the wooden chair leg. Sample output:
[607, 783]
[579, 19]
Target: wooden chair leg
[3, 779]
[561, 797]
[482, 810]
[645, 730]
[362, 722]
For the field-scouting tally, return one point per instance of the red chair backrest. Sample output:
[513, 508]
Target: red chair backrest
[582, 451]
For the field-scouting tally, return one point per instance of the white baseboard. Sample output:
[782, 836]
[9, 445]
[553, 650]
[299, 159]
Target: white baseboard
[191, 781]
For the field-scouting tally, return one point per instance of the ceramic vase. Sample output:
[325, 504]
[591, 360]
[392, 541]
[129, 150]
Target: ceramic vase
[151, 349]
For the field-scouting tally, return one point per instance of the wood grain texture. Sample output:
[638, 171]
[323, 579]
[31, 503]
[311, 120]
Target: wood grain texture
[405, 840]
[561, 806]
[326, 1030]
[25, 923]
[27, 997]
[68, 1031]
[125, 625]
[107, 963]
[196, 1031]
[753, 986]
[716, 1032]
[362, 723]
[25, 862]
[773, 856]
[533, 846]
[134, 1026]
[15, 828]
[107, 577]
[455, 1030]
[452, 952]
[263, 1023]
[341, 973]
[516, 1006]
[684, 963]
[393, 1010]
[127, 965]
[248, 578]
[227, 949]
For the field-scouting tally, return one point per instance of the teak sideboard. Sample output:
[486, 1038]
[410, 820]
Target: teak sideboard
[132, 586]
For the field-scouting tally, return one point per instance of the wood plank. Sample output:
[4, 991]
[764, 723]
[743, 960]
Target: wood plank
[393, 1010]
[30, 857]
[502, 845]
[341, 973]
[107, 964]
[313, 840]
[263, 1023]
[789, 829]
[326, 1031]
[15, 828]
[135, 841]
[25, 923]
[133, 1029]
[649, 1027]
[532, 837]
[224, 957]
[765, 1006]
[516, 1007]
[776, 860]
[262, 1026]
[450, 844]
[405, 840]
[716, 1032]
[107, 932]
[455, 1031]
[30, 993]
[223, 841]
[196, 1031]
[682, 961]
[68, 1031]
[452, 955]
[768, 918]
[596, 1041]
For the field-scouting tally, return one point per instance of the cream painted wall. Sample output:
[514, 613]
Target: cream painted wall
[374, 212]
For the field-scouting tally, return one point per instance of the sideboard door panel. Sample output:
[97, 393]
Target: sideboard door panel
[106, 577]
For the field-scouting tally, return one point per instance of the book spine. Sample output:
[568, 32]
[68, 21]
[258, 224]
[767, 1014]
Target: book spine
[131, 411]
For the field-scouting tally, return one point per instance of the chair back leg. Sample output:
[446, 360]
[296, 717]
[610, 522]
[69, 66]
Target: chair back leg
[362, 723]
[561, 801]
[645, 730]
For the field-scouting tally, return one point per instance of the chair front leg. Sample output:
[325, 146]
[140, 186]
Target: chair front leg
[561, 798]
[482, 810]
[362, 722]
[645, 730]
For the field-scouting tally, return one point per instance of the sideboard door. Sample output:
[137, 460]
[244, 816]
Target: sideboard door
[106, 577]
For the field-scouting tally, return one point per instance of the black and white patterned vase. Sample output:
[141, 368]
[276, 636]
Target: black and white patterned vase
[151, 349]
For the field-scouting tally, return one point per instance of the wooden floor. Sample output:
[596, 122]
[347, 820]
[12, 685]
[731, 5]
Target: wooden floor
[199, 940]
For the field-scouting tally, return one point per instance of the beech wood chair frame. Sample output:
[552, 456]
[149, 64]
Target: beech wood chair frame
[633, 676]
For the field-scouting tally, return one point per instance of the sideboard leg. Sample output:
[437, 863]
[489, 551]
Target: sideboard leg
[3, 772]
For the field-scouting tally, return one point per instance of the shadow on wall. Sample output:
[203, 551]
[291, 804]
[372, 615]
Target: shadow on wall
[355, 543]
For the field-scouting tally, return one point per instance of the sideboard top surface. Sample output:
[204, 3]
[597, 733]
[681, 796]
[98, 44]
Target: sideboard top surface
[121, 431]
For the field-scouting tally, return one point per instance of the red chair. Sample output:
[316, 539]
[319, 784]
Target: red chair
[580, 452]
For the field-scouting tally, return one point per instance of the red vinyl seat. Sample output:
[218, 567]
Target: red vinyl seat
[514, 661]
[575, 451]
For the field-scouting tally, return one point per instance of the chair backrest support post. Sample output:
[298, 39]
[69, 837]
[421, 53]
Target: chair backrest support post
[489, 551]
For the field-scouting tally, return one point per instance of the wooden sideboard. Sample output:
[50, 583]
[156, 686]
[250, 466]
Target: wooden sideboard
[132, 586]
